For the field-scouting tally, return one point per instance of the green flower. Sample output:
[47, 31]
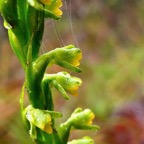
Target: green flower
[41, 119]
[64, 82]
[84, 117]
[67, 57]
[81, 119]
[53, 6]
[69, 54]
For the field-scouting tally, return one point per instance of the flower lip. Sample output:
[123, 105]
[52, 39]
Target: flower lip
[75, 61]
[91, 117]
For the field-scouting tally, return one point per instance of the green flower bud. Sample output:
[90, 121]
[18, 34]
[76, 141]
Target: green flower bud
[84, 140]
[41, 119]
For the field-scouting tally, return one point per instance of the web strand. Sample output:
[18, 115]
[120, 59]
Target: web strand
[51, 24]
[58, 35]
[46, 43]
[69, 13]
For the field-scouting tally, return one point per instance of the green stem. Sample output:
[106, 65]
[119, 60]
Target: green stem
[44, 138]
[35, 23]
[48, 96]
[22, 99]
[34, 89]
[50, 106]
[64, 132]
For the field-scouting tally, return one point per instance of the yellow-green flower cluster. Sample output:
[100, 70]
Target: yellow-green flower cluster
[24, 20]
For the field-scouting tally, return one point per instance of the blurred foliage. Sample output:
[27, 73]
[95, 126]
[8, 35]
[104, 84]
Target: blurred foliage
[111, 36]
[117, 81]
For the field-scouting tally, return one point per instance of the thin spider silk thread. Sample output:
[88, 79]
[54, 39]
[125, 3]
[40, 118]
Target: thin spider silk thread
[47, 44]
[58, 35]
[69, 13]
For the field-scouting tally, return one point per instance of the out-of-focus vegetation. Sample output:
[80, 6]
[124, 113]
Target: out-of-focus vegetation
[111, 36]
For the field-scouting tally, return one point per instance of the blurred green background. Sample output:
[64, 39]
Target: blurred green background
[110, 34]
